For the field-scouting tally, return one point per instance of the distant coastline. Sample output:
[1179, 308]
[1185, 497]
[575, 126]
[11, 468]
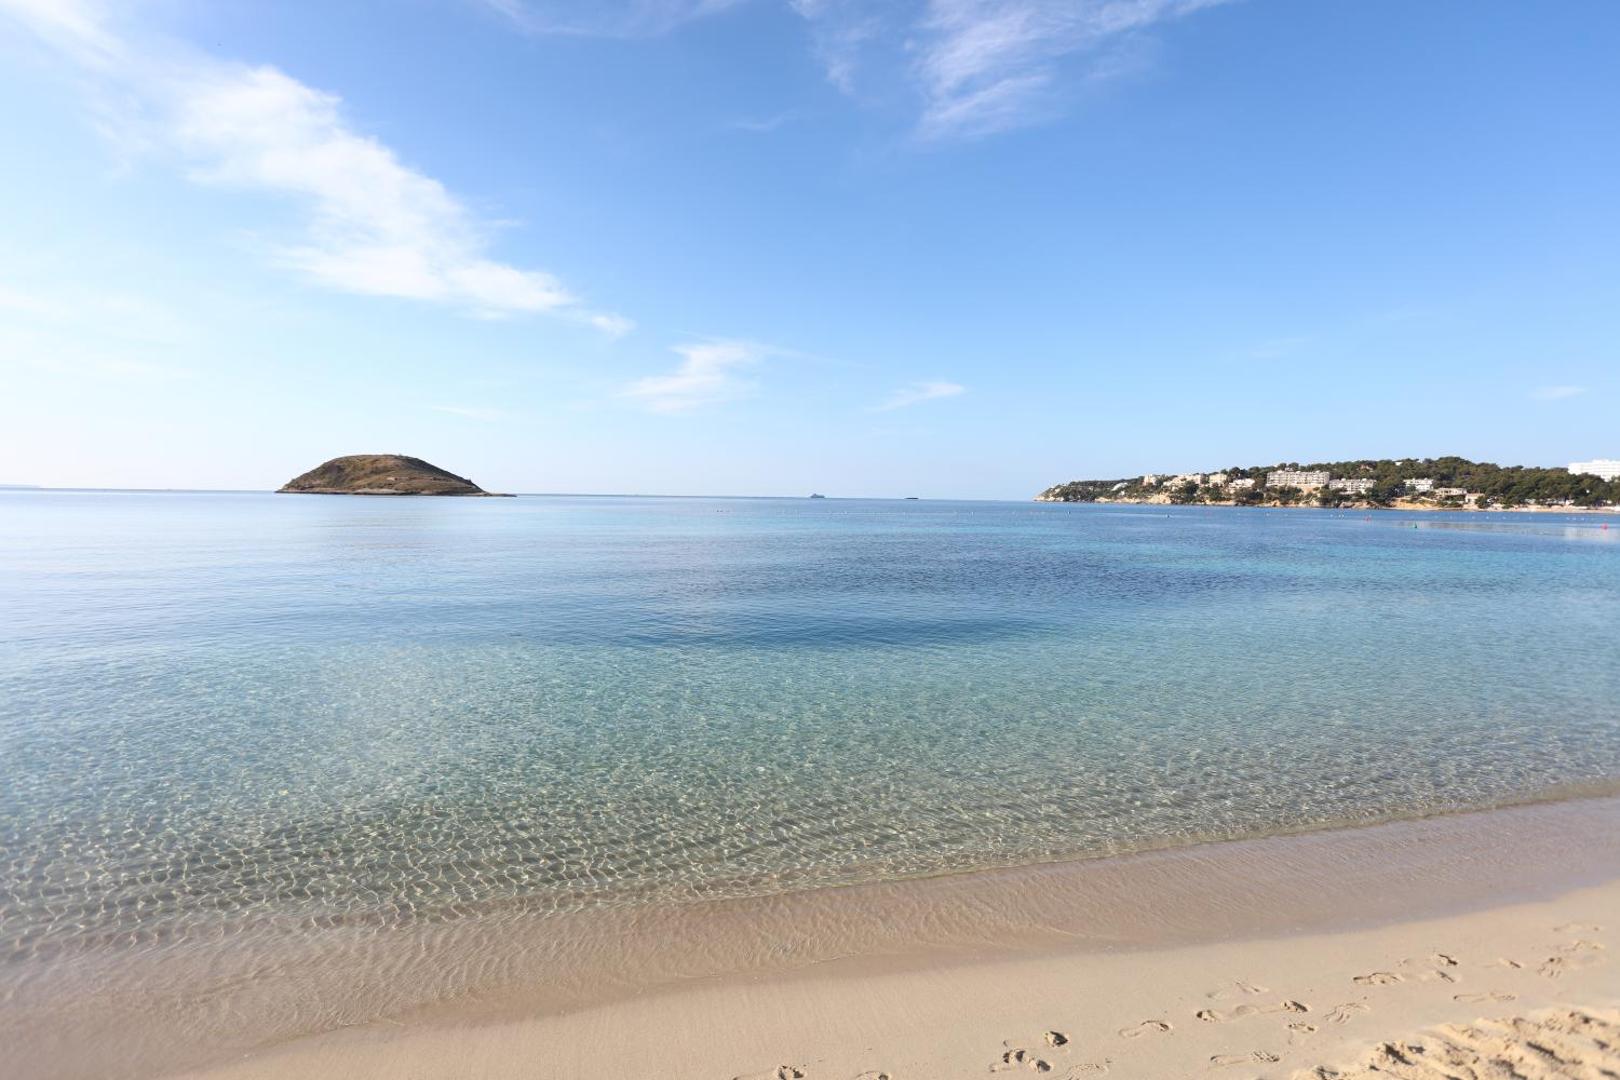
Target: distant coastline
[1447, 483]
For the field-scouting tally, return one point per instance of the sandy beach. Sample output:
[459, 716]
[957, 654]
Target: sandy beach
[1432, 992]
[1476, 945]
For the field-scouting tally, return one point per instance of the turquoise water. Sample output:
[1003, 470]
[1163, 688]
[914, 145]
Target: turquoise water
[217, 709]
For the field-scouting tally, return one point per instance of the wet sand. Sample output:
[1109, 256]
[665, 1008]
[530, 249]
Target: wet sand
[1313, 955]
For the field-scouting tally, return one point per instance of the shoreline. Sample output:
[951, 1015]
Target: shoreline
[1087, 922]
[990, 962]
[1486, 987]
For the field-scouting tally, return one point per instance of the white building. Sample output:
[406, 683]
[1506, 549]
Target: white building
[1297, 478]
[1354, 487]
[1422, 487]
[1217, 479]
[1451, 493]
[1603, 468]
[1150, 480]
[1242, 483]
[1186, 478]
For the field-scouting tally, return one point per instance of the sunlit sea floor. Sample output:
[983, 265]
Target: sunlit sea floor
[220, 712]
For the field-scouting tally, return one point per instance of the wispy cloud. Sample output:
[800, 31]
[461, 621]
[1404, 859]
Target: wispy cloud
[847, 33]
[919, 392]
[606, 18]
[971, 68]
[709, 372]
[75, 26]
[1556, 393]
[372, 224]
[978, 67]
[610, 324]
[472, 412]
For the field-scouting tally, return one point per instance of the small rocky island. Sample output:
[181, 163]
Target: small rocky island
[380, 474]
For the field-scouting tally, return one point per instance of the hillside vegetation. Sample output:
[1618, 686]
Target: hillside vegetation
[380, 474]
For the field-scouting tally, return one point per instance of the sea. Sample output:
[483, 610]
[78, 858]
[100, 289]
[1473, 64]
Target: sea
[248, 737]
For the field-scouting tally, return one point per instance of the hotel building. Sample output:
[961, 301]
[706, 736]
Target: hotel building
[1297, 478]
[1602, 468]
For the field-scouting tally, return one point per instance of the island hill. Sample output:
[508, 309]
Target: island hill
[1447, 483]
[381, 474]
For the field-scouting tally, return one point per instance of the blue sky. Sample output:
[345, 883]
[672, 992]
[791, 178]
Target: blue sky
[932, 247]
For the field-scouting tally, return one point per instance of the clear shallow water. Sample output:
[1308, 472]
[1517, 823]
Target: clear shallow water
[223, 711]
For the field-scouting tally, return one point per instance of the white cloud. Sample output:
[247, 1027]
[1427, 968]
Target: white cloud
[918, 392]
[982, 66]
[709, 372]
[373, 224]
[1557, 393]
[606, 18]
[75, 26]
[610, 324]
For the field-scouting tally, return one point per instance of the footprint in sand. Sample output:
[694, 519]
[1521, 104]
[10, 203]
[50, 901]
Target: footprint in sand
[1238, 988]
[1091, 1068]
[781, 1072]
[1378, 978]
[1019, 1058]
[1253, 1057]
[1577, 954]
[1577, 928]
[1484, 998]
[1437, 962]
[1502, 961]
[1146, 1027]
[1215, 1016]
[870, 1075]
[1299, 1031]
[1343, 1014]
